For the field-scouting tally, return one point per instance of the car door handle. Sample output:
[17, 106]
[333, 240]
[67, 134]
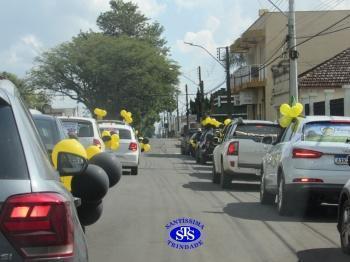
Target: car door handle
[77, 201]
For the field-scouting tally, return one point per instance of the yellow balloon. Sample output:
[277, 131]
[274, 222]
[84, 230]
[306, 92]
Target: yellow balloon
[123, 113]
[285, 109]
[284, 121]
[297, 109]
[67, 146]
[91, 151]
[114, 142]
[147, 147]
[100, 113]
[227, 122]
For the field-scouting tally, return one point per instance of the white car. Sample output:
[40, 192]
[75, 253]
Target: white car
[85, 129]
[309, 165]
[239, 156]
[129, 150]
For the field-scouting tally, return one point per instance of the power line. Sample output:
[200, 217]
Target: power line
[327, 33]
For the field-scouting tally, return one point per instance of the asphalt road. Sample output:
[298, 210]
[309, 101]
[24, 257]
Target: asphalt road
[237, 227]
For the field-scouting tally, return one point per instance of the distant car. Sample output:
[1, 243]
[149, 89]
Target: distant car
[239, 155]
[185, 142]
[308, 165]
[85, 129]
[50, 130]
[129, 150]
[38, 219]
[344, 218]
[205, 146]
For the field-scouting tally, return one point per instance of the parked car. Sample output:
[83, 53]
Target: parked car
[344, 218]
[38, 220]
[193, 142]
[85, 129]
[239, 155]
[50, 130]
[129, 150]
[205, 146]
[308, 165]
[185, 142]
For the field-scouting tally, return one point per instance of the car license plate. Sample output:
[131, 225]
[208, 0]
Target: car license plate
[341, 159]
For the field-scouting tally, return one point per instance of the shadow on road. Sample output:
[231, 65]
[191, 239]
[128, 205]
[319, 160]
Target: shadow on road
[209, 186]
[206, 176]
[203, 168]
[323, 255]
[165, 155]
[256, 211]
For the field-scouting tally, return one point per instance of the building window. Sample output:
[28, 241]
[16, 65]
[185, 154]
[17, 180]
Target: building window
[337, 107]
[307, 109]
[319, 109]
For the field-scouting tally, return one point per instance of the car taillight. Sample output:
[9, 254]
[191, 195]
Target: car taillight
[232, 149]
[307, 180]
[38, 225]
[133, 146]
[96, 142]
[306, 153]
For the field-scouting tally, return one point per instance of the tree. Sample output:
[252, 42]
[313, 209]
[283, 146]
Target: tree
[125, 19]
[111, 73]
[33, 98]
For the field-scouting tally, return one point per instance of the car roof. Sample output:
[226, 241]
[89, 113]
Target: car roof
[8, 90]
[77, 118]
[120, 122]
[109, 124]
[43, 117]
[325, 118]
[257, 122]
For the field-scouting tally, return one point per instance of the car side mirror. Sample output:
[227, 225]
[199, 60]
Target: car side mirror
[69, 164]
[267, 140]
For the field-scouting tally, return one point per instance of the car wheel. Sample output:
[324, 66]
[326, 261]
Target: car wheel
[216, 176]
[283, 199]
[134, 171]
[345, 227]
[266, 198]
[225, 179]
[197, 157]
[202, 159]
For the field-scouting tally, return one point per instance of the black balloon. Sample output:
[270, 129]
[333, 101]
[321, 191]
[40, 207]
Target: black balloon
[145, 140]
[92, 185]
[110, 164]
[90, 212]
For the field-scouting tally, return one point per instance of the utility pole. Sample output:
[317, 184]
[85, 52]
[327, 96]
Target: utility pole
[293, 54]
[187, 112]
[201, 86]
[177, 113]
[226, 59]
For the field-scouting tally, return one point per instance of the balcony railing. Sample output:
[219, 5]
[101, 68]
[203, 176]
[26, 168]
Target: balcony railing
[248, 74]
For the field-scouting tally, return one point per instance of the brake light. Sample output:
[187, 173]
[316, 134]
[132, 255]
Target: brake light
[96, 142]
[38, 225]
[306, 153]
[232, 149]
[133, 146]
[307, 180]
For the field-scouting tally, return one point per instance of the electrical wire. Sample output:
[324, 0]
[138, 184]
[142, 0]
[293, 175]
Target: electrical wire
[327, 33]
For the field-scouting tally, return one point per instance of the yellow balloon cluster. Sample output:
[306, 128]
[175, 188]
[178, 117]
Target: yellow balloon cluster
[145, 147]
[91, 151]
[210, 121]
[288, 113]
[110, 141]
[227, 121]
[127, 116]
[100, 113]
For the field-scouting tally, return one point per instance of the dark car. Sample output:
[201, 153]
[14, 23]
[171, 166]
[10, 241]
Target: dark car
[38, 218]
[206, 145]
[193, 142]
[50, 130]
[185, 142]
[344, 218]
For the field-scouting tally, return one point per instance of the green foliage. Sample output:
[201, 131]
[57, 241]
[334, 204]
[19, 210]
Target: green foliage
[33, 98]
[110, 73]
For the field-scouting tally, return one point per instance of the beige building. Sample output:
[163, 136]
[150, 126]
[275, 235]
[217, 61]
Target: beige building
[262, 85]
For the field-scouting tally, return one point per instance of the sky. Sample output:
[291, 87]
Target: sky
[32, 26]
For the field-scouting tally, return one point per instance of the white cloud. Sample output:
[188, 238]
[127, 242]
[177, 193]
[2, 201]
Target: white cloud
[213, 23]
[190, 3]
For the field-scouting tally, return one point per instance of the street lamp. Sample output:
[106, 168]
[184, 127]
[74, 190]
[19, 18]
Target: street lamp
[227, 70]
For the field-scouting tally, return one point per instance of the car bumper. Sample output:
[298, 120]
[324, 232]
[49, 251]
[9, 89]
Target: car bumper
[127, 160]
[328, 193]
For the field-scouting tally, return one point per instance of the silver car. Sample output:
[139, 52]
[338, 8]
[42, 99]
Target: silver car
[38, 218]
[129, 150]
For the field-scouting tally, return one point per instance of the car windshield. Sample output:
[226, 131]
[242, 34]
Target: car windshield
[12, 162]
[78, 128]
[122, 132]
[256, 131]
[327, 131]
[48, 132]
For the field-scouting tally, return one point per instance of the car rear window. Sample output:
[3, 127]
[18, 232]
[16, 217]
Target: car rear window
[48, 132]
[256, 131]
[327, 131]
[78, 128]
[12, 161]
[123, 133]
